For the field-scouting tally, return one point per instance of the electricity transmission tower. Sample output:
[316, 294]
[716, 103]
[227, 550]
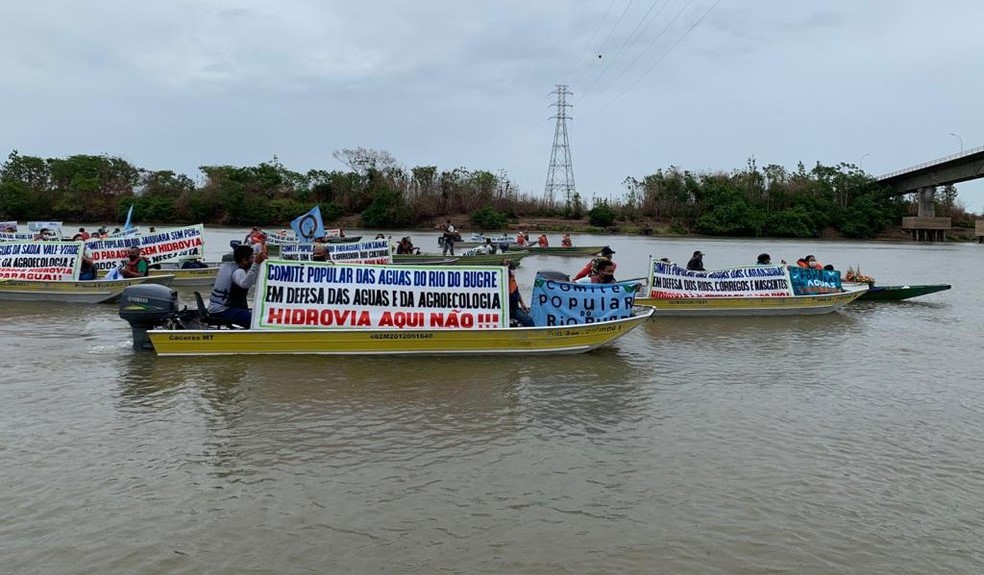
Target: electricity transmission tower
[560, 173]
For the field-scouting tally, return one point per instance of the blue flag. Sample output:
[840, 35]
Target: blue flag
[309, 226]
[564, 303]
[129, 216]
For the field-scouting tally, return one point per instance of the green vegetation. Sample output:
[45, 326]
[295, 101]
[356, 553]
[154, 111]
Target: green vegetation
[765, 202]
[753, 201]
[489, 218]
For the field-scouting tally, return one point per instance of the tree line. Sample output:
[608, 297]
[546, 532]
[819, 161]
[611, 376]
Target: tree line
[752, 201]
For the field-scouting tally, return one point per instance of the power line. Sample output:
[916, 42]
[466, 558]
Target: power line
[653, 41]
[586, 65]
[636, 32]
[667, 53]
[610, 33]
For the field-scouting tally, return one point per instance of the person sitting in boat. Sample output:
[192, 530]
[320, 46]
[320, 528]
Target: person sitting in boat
[406, 247]
[520, 239]
[320, 253]
[604, 273]
[696, 263]
[542, 241]
[84, 235]
[136, 265]
[488, 247]
[810, 262]
[228, 299]
[766, 260]
[606, 253]
[87, 269]
[566, 242]
[519, 314]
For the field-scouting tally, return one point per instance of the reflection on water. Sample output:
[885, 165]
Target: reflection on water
[845, 443]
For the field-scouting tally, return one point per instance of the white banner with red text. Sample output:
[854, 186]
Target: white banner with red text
[42, 261]
[324, 295]
[165, 245]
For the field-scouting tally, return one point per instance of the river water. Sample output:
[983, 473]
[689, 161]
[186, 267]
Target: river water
[846, 443]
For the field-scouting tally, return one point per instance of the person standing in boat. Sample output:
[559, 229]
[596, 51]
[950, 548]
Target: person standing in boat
[87, 269]
[136, 266]
[229, 293]
[518, 312]
[696, 263]
[606, 253]
[448, 234]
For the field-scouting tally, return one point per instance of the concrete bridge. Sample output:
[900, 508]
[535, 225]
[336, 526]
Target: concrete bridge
[923, 180]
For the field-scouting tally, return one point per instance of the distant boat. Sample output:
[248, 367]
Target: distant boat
[479, 259]
[81, 291]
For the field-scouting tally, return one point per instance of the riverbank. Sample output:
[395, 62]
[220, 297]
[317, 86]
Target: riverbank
[644, 227]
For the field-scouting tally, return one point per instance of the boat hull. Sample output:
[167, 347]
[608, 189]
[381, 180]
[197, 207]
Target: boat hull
[476, 260]
[88, 291]
[576, 251]
[186, 277]
[899, 293]
[502, 341]
[753, 306]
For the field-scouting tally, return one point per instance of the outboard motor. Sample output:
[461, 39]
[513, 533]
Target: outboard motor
[145, 307]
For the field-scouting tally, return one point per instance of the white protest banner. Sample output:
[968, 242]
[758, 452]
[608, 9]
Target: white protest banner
[162, 246]
[16, 236]
[667, 280]
[333, 233]
[44, 261]
[322, 295]
[38, 226]
[363, 252]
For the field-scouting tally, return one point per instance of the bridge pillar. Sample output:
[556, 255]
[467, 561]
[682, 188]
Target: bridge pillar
[927, 199]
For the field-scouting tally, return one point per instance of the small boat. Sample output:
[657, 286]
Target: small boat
[157, 324]
[479, 259]
[185, 277]
[899, 293]
[749, 290]
[733, 306]
[343, 239]
[81, 291]
[575, 251]
[424, 261]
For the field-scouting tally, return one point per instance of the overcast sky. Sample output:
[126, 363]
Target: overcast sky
[701, 84]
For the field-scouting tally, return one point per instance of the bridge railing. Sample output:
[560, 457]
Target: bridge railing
[931, 163]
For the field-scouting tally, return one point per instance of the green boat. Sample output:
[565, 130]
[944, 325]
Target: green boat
[576, 251]
[899, 293]
[476, 260]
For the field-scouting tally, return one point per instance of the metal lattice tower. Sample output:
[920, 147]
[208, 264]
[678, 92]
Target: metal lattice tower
[560, 174]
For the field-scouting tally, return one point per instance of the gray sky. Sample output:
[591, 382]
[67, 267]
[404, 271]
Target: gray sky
[177, 84]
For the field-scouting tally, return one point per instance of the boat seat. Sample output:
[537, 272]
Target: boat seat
[207, 319]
